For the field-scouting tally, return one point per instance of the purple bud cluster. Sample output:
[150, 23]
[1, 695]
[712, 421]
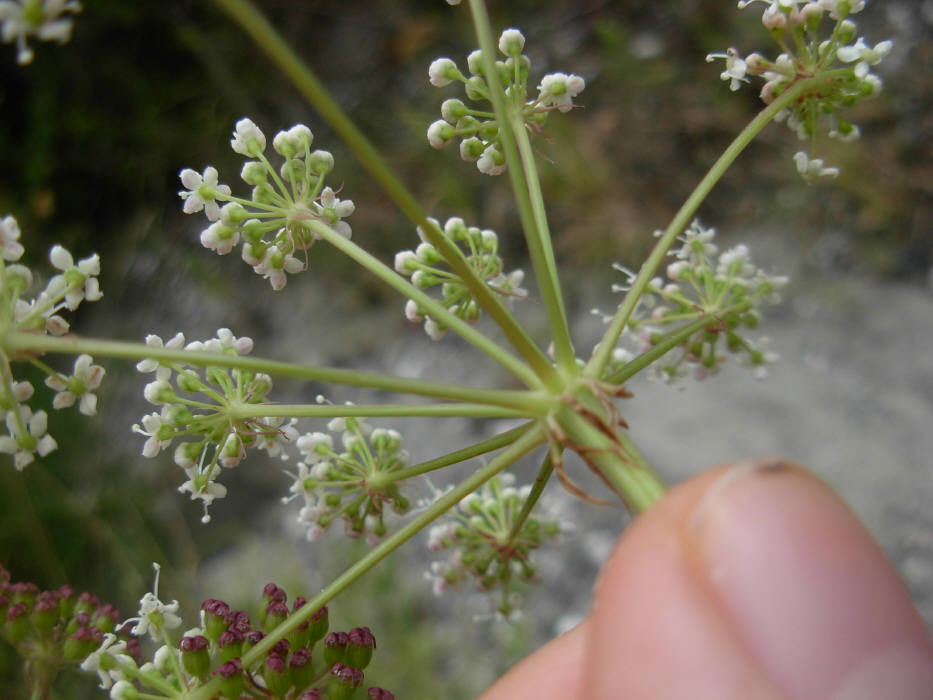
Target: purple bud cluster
[308, 663]
[56, 629]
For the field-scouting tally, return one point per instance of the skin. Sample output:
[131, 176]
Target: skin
[750, 581]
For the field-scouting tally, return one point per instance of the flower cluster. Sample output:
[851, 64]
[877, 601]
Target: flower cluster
[423, 265]
[356, 484]
[478, 129]
[27, 429]
[704, 284]
[812, 47]
[488, 544]
[55, 629]
[214, 651]
[274, 224]
[44, 19]
[215, 411]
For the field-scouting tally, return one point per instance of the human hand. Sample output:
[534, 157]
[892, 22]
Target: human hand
[751, 581]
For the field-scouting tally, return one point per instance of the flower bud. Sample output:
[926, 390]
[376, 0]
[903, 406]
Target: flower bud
[300, 668]
[335, 647]
[275, 675]
[321, 162]
[276, 614]
[453, 110]
[82, 643]
[231, 675]
[847, 32]
[343, 681]
[317, 626]
[106, 618]
[476, 88]
[17, 622]
[443, 72]
[195, 656]
[511, 42]
[254, 173]
[230, 644]
[45, 614]
[361, 643]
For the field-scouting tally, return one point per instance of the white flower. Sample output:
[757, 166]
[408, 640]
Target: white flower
[315, 447]
[735, 67]
[810, 169]
[275, 436]
[865, 55]
[220, 238]
[39, 18]
[332, 210]
[84, 380]
[433, 329]
[77, 282]
[247, 139]
[154, 615]
[10, 247]
[150, 365]
[25, 445]
[559, 89]
[443, 71]
[832, 6]
[412, 312]
[158, 392]
[123, 690]
[492, 162]
[115, 650]
[201, 488]
[202, 191]
[275, 263]
[156, 428]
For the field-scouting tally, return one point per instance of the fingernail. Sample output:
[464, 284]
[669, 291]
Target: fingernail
[807, 588]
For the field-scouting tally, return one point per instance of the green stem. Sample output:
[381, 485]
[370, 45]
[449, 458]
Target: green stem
[524, 444]
[523, 175]
[672, 341]
[603, 353]
[537, 488]
[73, 345]
[437, 310]
[475, 450]
[268, 39]
[379, 410]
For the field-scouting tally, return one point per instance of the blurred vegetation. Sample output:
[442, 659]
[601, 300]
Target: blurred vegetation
[93, 135]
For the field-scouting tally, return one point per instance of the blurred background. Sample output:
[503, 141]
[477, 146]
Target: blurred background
[93, 135]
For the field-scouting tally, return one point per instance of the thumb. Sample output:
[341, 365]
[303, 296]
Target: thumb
[753, 581]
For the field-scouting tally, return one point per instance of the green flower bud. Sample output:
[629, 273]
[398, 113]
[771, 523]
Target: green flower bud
[275, 674]
[195, 655]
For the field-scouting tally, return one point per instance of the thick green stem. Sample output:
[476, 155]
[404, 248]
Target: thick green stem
[603, 353]
[614, 459]
[375, 411]
[407, 289]
[268, 39]
[523, 175]
[524, 444]
[72, 345]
